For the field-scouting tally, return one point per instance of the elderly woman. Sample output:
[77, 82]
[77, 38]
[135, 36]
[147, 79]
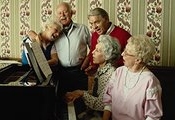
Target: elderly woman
[46, 38]
[107, 51]
[134, 92]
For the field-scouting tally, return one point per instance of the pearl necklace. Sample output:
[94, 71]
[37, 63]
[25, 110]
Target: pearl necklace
[130, 87]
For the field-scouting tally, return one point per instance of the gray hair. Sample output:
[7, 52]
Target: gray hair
[49, 23]
[142, 47]
[97, 12]
[111, 48]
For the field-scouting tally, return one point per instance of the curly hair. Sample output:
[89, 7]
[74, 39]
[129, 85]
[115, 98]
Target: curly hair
[142, 47]
[111, 48]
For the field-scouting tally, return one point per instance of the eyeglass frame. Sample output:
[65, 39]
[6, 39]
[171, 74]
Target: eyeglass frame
[127, 54]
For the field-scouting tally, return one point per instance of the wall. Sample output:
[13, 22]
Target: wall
[152, 17]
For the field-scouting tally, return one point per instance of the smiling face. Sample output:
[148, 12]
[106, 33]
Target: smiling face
[99, 24]
[52, 32]
[98, 54]
[64, 14]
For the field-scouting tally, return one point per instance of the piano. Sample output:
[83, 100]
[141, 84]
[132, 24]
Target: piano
[28, 92]
[19, 101]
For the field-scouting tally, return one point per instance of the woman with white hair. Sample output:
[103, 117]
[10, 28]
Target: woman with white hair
[46, 37]
[107, 51]
[134, 92]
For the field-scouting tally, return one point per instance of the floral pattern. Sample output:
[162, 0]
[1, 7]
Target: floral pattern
[46, 10]
[124, 14]
[154, 18]
[123, 18]
[5, 28]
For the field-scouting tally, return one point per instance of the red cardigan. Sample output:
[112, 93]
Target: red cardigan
[119, 33]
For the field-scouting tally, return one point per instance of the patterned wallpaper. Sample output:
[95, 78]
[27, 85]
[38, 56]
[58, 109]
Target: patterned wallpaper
[24, 11]
[5, 29]
[154, 24]
[95, 3]
[19, 16]
[46, 10]
[124, 14]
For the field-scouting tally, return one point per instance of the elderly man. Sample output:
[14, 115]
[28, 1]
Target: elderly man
[99, 20]
[71, 47]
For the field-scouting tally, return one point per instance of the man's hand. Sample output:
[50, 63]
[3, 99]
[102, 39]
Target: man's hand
[91, 70]
[85, 63]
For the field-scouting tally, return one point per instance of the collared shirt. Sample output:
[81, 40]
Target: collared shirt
[72, 48]
[110, 29]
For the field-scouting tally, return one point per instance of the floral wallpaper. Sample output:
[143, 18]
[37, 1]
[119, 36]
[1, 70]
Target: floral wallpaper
[17, 17]
[5, 28]
[46, 10]
[24, 11]
[95, 3]
[154, 24]
[123, 15]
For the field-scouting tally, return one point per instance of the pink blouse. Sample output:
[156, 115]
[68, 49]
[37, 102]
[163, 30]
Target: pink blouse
[141, 101]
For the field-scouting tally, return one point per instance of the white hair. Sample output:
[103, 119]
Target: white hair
[142, 47]
[111, 47]
[49, 23]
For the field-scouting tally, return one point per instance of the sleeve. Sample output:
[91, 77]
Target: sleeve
[93, 102]
[107, 98]
[153, 104]
[96, 103]
[88, 36]
[93, 42]
[53, 50]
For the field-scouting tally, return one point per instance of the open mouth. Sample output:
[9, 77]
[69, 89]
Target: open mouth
[63, 18]
[53, 36]
[98, 31]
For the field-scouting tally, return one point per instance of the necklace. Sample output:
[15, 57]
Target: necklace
[134, 84]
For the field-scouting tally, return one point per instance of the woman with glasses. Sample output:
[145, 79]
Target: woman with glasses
[134, 92]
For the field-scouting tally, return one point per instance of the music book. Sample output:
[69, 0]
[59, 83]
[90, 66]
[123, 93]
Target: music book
[38, 62]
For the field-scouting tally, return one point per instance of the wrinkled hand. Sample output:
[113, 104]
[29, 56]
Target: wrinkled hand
[71, 96]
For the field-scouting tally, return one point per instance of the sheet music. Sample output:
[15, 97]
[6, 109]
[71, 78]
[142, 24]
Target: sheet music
[41, 60]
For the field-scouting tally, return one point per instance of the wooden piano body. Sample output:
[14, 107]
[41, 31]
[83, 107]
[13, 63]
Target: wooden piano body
[18, 101]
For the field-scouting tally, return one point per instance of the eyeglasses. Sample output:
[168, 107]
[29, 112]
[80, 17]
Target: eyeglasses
[127, 54]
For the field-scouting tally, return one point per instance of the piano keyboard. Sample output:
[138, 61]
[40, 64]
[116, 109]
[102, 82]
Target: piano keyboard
[3, 65]
[71, 111]
[67, 112]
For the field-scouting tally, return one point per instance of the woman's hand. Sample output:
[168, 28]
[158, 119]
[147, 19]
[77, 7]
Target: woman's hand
[71, 96]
